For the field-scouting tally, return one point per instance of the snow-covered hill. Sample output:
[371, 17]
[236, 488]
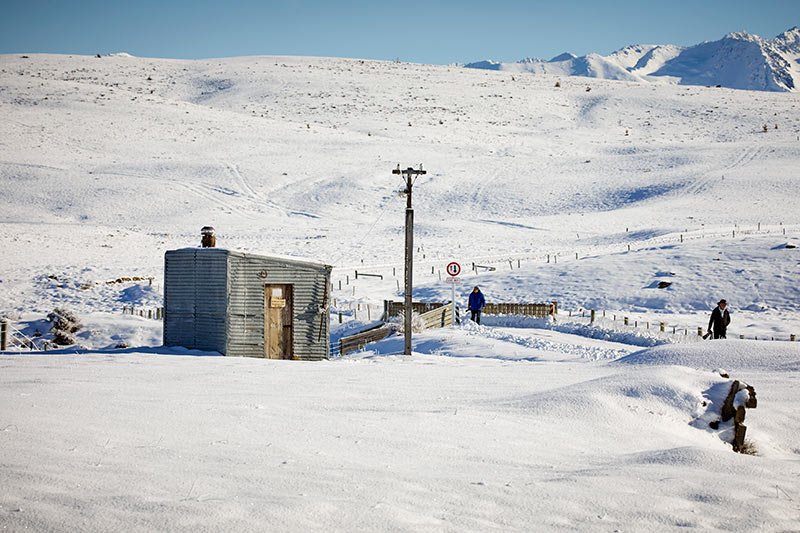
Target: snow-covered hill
[591, 193]
[738, 61]
[107, 162]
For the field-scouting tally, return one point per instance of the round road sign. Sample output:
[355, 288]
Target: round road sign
[454, 269]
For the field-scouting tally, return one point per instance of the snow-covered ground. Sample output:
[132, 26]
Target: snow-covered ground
[466, 434]
[589, 194]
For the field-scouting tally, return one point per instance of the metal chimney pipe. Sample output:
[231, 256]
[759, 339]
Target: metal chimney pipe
[209, 239]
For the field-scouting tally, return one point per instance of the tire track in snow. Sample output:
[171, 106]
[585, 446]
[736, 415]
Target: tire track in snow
[205, 191]
[702, 184]
[249, 193]
[747, 156]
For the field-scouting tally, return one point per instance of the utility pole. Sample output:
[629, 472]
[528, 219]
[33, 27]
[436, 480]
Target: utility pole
[410, 175]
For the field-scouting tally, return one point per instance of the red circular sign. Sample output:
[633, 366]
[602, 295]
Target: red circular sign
[454, 269]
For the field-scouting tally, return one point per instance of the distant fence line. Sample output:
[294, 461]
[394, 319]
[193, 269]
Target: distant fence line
[478, 264]
[153, 313]
[680, 330]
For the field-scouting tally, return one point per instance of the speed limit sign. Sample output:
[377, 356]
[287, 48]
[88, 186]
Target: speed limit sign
[454, 269]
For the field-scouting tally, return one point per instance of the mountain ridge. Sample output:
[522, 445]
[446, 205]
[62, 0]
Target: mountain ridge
[739, 60]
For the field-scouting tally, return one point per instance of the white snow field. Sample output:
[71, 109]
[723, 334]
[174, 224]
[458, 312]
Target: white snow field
[590, 194]
[160, 441]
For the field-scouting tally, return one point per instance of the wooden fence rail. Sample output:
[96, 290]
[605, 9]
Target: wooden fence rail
[358, 341]
[438, 318]
[541, 310]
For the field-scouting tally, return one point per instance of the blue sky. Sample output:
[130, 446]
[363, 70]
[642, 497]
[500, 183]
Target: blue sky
[433, 31]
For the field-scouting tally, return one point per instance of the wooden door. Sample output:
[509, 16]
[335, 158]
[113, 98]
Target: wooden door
[278, 316]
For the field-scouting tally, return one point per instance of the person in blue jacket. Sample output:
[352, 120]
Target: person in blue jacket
[476, 304]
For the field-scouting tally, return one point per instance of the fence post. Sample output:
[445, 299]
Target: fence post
[741, 337]
[3, 335]
[340, 317]
[625, 320]
[661, 326]
[591, 320]
[699, 331]
[792, 338]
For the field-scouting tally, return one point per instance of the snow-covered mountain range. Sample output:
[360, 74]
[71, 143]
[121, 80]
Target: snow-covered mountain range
[739, 61]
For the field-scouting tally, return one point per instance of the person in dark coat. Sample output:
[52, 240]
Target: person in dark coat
[476, 304]
[720, 318]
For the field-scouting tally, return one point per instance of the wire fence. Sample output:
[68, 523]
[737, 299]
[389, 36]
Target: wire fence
[659, 327]
[430, 266]
[349, 282]
[12, 338]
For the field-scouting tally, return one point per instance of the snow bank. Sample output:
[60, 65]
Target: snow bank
[730, 354]
[633, 337]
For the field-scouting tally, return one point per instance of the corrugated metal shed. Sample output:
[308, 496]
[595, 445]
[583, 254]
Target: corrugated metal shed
[246, 305]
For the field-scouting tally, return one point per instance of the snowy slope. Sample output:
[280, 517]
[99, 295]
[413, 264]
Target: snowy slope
[592, 66]
[458, 441]
[109, 162]
[629, 57]
[106, 163]
[738, 61]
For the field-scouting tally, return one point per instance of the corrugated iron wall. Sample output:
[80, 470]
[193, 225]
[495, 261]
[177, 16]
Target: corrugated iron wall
[248, 276]
[196, 298]
[214, 300]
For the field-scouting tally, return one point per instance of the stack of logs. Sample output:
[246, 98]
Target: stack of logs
[737, 413]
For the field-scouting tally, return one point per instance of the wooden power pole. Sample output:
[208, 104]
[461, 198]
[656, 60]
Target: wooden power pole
[410, 176]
